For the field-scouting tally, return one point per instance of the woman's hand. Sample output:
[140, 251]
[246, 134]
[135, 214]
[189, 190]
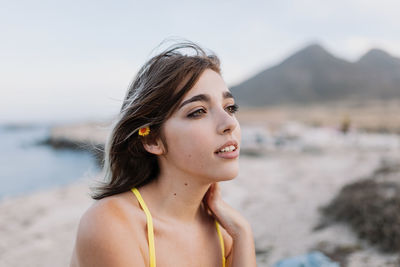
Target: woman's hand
[232, 221]
[242, 251]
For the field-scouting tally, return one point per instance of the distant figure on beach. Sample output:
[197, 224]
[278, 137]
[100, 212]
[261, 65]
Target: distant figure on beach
[175, 139]
[345, 125]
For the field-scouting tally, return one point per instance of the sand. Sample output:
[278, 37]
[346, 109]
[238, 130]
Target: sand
[279, 192]
[280, 195]
[39, 229]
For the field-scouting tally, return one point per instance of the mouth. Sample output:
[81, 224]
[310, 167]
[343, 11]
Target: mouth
[227, 147]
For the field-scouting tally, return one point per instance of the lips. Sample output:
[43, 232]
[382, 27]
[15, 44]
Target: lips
[227, 147]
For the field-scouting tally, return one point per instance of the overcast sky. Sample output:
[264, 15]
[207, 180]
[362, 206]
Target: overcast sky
[66, 60]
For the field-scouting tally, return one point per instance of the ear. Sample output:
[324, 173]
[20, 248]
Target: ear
[155, 147]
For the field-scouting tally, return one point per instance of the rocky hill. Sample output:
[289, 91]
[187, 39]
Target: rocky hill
[313, 75]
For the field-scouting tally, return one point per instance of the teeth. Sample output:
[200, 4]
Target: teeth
[228, 149]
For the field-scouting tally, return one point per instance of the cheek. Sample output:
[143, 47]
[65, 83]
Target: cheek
[191, 156]
[191, 145]
[188, 143]
[238, 132]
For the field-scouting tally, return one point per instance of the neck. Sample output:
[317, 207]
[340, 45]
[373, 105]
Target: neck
[177, 197]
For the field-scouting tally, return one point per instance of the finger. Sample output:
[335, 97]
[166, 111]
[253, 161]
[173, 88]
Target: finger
[217, 188]
[207, 194]
[216, 191]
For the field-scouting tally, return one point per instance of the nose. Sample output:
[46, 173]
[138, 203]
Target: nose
[227, 122]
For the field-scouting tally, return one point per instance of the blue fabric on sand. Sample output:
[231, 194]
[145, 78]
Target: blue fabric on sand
[312, 259]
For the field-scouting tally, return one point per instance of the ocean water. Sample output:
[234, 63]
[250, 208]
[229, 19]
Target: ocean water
[26, 166]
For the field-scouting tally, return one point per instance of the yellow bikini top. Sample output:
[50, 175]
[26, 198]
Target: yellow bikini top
[150, 231]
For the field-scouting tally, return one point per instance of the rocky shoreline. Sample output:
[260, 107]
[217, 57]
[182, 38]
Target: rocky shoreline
[89, 137]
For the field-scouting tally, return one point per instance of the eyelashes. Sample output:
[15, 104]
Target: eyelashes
[232, 109]
[196, 113]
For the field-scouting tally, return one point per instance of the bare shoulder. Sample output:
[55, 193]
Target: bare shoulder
[110, 233]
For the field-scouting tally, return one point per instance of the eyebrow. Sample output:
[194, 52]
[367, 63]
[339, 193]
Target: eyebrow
[205, 98]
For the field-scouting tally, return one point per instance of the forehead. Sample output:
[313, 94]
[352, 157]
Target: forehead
[209, 82]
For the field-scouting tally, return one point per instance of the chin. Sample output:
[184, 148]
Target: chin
[228, 175]
[227, 178]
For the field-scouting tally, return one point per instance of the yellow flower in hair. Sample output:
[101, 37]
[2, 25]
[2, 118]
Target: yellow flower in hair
[144, 131]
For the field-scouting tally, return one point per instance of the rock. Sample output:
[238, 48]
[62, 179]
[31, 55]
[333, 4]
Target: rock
[372, 207]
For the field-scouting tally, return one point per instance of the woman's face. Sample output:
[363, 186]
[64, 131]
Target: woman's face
[203, 134]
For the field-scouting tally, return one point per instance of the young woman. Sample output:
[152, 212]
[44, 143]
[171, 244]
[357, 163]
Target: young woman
[175, 139]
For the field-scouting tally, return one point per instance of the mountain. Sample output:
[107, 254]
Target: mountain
[380, 59]
[313, 75]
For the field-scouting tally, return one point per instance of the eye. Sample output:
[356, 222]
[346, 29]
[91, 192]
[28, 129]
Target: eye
[196, 113]
[233, 108]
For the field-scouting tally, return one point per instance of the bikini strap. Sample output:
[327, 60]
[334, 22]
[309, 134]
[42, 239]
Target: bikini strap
[150, 230]
[221, 241]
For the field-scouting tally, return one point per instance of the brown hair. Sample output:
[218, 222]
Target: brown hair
[151, 99]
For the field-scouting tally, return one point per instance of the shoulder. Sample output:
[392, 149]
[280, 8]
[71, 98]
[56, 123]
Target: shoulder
[110, 233]
[114, 214]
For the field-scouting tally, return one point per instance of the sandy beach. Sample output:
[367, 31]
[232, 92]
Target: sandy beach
[279, 191]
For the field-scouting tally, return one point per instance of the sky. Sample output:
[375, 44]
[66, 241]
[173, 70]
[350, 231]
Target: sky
[63, 61]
